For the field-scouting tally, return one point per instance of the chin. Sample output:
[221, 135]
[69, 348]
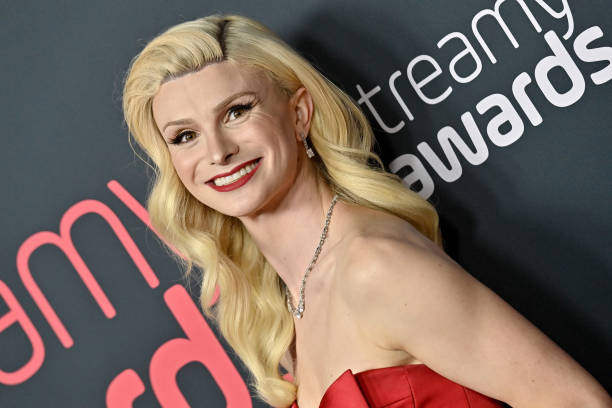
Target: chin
[239, 208]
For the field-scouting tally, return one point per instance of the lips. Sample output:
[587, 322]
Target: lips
[241, 177]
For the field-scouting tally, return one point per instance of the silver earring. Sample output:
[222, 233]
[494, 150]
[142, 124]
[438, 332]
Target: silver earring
[309, 151]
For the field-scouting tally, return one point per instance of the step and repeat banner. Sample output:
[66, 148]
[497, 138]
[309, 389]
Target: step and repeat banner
[498, 112]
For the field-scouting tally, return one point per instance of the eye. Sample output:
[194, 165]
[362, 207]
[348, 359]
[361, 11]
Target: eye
[237, 111]
[183, 137]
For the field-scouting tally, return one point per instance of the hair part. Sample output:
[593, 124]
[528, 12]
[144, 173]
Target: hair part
[251, 312]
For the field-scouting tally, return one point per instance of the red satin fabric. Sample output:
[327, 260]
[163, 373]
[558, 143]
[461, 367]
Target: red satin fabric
[411, 386]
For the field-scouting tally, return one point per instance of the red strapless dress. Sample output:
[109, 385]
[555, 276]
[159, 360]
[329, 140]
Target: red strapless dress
[410, 386]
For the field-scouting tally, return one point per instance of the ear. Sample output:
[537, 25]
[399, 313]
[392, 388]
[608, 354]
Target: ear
[301, 103]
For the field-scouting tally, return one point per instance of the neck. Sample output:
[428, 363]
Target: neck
[288, 233]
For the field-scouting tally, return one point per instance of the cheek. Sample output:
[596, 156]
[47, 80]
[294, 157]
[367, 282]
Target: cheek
[183, 167]
[289, 165]
[286, 150]
[287, 140]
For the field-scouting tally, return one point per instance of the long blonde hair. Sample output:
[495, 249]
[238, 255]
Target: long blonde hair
[251, 312]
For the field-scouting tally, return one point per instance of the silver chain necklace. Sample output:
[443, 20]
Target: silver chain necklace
[298, 311]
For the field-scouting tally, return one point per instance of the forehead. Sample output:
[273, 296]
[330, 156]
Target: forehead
[206, 88]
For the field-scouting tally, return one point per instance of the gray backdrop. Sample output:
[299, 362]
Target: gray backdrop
[527, 215]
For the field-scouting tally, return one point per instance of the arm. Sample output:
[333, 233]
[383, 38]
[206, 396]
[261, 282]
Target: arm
[422, 302]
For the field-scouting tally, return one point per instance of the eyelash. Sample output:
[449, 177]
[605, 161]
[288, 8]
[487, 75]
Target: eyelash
[242, 107]
[177, 139]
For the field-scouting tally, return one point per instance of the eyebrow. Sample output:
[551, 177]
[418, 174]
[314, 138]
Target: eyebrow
[217, 108]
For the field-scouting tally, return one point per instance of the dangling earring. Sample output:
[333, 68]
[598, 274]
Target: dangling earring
[309, 151]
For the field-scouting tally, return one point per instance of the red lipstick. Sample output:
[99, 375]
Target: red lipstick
[238, 183]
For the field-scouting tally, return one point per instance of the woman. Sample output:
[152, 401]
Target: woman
[326, 264]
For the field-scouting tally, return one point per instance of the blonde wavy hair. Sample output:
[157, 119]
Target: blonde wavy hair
[251, 312]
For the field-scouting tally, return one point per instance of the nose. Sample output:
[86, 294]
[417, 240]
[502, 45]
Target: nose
[220, 148]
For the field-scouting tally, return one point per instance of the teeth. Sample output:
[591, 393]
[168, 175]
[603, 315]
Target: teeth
[222, 181]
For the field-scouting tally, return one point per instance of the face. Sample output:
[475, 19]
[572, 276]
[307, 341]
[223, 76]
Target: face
[233, 136]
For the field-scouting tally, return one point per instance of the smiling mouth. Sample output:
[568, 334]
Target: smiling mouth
[237, 175]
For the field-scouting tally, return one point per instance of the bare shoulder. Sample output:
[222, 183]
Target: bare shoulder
[373, 247]
[386, 252]
[407, 294]
[381, 229]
